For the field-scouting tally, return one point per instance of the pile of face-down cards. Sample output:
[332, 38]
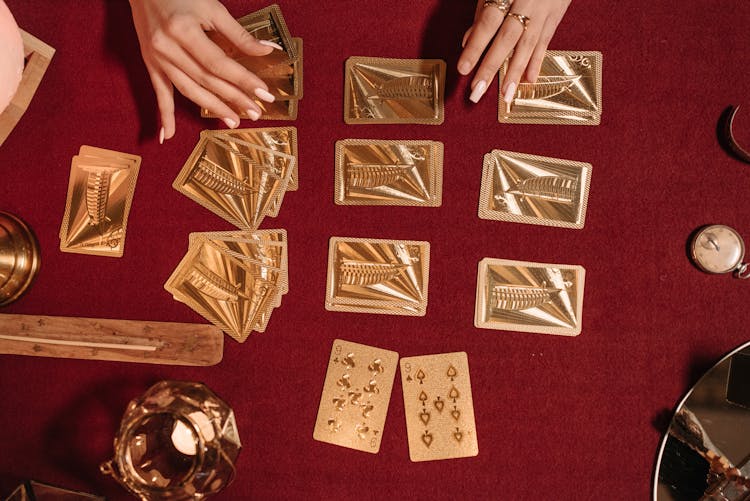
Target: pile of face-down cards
[233, 278]
[568, 91]
[437, 401]
[529, 297]
[281, 70]
[530, 189]
[100, 191]
[378, 276]
[394, 91]
[241, 175]
[382, 172]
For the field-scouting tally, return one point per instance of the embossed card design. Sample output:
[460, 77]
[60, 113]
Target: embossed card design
[382, 90]
[567, 91]
[529, 297]
[438, 406]
[379, 172]
[377, 276]
[356, 394]
[530, 189]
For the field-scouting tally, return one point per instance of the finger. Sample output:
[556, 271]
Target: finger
[466, 36]
[483, 30]
[519, 61]
[506, 39]
[165, 101]
[224, 23]
[535, 62]
[200, 96]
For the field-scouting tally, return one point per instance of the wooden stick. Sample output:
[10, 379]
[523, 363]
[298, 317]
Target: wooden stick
[111, 339]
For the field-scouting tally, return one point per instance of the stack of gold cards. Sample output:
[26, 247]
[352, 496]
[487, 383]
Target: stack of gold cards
[233, 278]
[437, 401]
[530, 189]
[241, 175]
[529, 297]
[380, 172]
[281, 70]
[100, 191]
[567, 91]
[394, 91]
[378, 276]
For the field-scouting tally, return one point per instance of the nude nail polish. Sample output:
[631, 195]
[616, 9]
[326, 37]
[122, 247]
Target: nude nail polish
[271, 44]
[254, 115]
[509, 92]
[161, 136]
[464, 67]
[478, 92]
[230, 123]
[264, 95]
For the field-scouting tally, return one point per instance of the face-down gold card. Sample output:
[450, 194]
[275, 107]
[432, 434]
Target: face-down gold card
[280, 79]
[393, 91]
[379, 172]
[228, 290]
[356, 394]
[530, 189]
[529, 297]
[378, 276]
[238, 182]
[567, 92]
[100, 191]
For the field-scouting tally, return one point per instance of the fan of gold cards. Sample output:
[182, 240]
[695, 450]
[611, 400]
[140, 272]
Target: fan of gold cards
[233, 278]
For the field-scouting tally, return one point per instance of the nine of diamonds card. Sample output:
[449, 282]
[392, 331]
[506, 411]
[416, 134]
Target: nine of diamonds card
[355, 397]
[438, 407]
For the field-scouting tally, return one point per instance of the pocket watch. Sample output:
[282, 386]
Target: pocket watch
[717, 248]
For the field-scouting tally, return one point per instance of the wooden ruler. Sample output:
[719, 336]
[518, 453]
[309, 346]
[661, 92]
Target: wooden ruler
[167, 343]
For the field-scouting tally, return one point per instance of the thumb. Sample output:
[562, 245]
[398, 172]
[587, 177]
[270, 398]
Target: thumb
[225, 24]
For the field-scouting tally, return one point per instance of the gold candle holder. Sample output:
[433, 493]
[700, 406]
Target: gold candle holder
[19, 258]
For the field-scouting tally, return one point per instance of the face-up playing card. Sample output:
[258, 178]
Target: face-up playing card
[355, 397]
[438, 406]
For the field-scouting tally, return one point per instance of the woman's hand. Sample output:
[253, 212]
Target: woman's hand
[526, 32]
[178, 53]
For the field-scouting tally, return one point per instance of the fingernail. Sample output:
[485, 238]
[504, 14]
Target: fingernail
[478, 91]
[509, 92]
[161, 136]
[230, 123]
[464, 67]
[254, 115]
[264, 95]
[271, 44]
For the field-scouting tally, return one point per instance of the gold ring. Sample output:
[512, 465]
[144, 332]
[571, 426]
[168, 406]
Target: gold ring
[524, 20]
[502, 5]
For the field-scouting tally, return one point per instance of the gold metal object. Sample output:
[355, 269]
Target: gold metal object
[502, 5]
[740, 152]
[717, 248]
[38, 491]
[378, 276]
[356, 394]
[438, 406]
[529, 297]
[177, 441]
[704, 454]
[531, 189]
[382, 90]
[568, 91]
[379, 172]
[19, 258]
[524, 20]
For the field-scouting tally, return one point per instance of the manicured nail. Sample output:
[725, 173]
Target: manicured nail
[478, 91]
[264, 95]
[254, 115]
[509, 92]
[161, 136]
[464, 67]
[230, 123]
[271, 44]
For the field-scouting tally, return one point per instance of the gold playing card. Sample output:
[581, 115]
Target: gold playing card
[534, 190]
[529, 297]
[100, 191]
[567, 91]
[390, 91]
[239, 185]
[438, 407]
[355, 398]
[378, 276]
[380, 172]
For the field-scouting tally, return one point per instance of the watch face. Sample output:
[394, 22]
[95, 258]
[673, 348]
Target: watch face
[718, 249]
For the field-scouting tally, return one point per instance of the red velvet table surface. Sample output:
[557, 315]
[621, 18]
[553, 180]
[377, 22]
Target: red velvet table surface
[556, 417]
